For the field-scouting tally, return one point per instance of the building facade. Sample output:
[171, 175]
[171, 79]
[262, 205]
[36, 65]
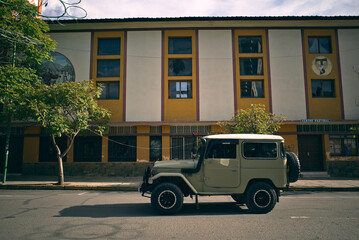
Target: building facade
[168, 81]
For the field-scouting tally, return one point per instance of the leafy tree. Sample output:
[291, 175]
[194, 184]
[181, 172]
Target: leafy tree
[23, 46]
[255, 119]
[66, 109]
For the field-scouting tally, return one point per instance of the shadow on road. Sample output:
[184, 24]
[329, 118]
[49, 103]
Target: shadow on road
[146, 210]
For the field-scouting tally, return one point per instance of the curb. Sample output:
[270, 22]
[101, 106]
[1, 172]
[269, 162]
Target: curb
[64, 187]
[135, 188]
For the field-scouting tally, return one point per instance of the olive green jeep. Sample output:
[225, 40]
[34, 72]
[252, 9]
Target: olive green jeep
[252, 168]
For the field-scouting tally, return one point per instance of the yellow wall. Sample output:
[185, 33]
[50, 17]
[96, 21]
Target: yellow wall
[180, 109]
[143, 143]
[104, 151]
[115, 105]
[244, 103]
[319, 106]
[31, 145]
[166, 143]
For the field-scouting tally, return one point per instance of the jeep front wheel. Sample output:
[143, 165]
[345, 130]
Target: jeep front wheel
[167, 198]
[261, 198]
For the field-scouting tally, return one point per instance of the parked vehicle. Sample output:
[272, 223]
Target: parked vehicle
[252, 168]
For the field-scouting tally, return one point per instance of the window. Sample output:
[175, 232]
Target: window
[109, 46]
[108, 68]
[58, 71]
[323, 88]
[180, 67]
[319, 45]
[343, 145]
[252, 89]
[48, 152]
[110, 90]
[259, 150]
[180, 89]
[183, 147]
[179, 45]
[251, 66]
[88, 149]
[222, 149]
[122, 149]
[250, 44]
[155, 148]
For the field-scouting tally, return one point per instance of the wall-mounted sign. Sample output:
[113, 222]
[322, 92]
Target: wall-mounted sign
[322, 66]
[315, 120]
[58, 71]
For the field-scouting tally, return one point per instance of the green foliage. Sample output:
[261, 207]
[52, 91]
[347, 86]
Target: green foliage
[68, 108]
[255, 119]
[18, 25]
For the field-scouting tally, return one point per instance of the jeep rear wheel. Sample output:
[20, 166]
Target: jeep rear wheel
[261, 198]
[167, 198]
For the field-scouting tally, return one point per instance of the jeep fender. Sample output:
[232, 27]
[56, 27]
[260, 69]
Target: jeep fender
[159, 175]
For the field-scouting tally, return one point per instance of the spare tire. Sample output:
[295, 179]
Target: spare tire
[294, 167]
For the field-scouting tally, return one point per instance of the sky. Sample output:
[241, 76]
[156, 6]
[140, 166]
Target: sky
[185, 8]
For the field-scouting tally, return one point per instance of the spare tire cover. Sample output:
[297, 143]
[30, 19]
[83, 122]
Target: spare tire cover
[294, 166]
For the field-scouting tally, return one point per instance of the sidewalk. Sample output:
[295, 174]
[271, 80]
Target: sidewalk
[308, 182]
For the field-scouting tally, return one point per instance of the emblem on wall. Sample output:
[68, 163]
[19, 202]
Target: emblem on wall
[58, 71]
[322, 66]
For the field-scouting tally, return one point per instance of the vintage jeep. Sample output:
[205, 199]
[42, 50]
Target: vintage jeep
[252, 168]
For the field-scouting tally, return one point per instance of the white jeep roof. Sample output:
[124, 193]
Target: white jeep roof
[244, 136]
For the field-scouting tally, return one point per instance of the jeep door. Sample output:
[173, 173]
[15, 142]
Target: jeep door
[221, 163]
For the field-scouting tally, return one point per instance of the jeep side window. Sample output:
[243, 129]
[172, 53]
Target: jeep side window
[259, 150]
[222, 149]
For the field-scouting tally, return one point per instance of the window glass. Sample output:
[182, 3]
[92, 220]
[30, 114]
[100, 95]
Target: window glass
[323, 88]
[252, 89]
[88, 149]
[155, 148]
[110, 90]
[109, 46]
[179, 45]
[58, 71]
[282, 150]
[122, 149]
[343, 145]
[179, 67]
[180, 89]
[250, 44]
[259, 150]
[108, 68]
[319, 45]
[222, 149]
[251, 66]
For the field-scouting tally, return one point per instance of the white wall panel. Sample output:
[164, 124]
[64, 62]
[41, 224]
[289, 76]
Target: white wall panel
[143, 91]
[348, 40]
[77, 48]
[215, 75]
[287, 73]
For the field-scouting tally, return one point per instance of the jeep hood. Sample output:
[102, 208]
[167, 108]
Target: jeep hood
[176, 164]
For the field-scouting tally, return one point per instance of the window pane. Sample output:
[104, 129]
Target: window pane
[177, 148]
[324, 45]
[114, 90]
[104, 87]
[245, 89]
[122, 149]
[88, 149]
[108, 68]
[257, 89]
[109, 46]
[260, 150]
[316, 88]
[180, 89]
[180, 45]
[328, 88]
[251, 66]
[180, 67]
[155, 148]
[172, 89]
[313, 45]
[250, 44]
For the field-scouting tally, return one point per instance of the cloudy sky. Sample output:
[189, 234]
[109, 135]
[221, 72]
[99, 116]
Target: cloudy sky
[183, 8]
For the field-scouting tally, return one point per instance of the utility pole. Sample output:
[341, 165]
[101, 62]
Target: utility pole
[8, 124]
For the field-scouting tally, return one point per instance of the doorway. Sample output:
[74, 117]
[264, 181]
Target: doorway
[310, 149]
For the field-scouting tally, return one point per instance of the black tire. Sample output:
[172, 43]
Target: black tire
[294, 167]
[261, 198]
[167, 198]
[239, 198]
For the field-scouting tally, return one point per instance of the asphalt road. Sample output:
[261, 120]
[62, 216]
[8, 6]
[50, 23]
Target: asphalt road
[47, 214]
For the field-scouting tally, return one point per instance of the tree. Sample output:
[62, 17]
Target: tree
[23, 46]
[66, 109]
[255, 119]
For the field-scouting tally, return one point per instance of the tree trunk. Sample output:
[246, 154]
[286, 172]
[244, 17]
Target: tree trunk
[61, 180]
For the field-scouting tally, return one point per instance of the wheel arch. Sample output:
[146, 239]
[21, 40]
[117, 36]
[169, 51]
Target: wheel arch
[177, 179]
